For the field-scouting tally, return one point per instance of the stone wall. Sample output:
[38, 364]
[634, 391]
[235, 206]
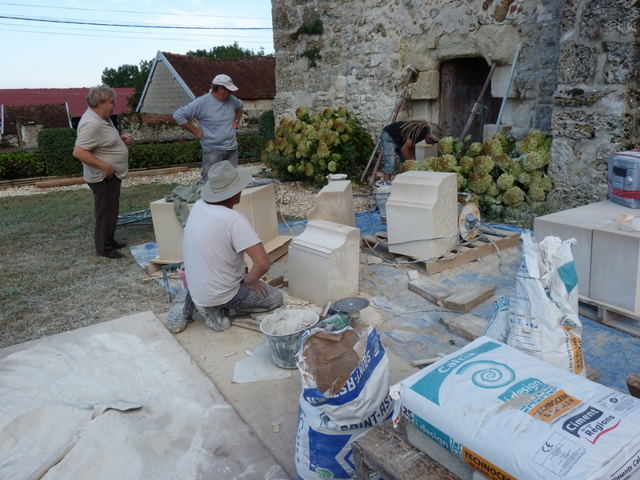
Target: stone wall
[574, 76]
[595, 105]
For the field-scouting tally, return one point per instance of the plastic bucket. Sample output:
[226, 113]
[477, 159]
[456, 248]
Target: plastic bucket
[283, 331]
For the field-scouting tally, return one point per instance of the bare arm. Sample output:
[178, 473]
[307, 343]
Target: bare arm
[408, 150]
[88, 158]
[237, 117]
[261, 265]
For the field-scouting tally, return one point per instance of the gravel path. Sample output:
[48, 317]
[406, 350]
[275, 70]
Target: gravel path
[293, 198]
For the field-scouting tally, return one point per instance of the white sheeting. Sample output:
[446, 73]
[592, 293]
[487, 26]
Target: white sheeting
[185, 428]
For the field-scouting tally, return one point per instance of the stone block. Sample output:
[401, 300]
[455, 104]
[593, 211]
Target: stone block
[457, 46]
[579, 223]
[425, 151]
[615, 267]
[422, 214]
[499, 82]
[324, 262]
[168, 230]
[427, 87]
[334, 203]
[258, 204]
[498, 43]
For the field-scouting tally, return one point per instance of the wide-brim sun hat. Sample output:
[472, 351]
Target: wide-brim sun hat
[224, 182]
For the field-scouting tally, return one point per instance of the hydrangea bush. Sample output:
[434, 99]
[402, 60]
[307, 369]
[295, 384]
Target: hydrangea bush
[312, 146]
[500, 177]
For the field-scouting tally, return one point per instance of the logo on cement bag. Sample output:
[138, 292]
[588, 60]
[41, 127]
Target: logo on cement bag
[590, 424]
[429, 385]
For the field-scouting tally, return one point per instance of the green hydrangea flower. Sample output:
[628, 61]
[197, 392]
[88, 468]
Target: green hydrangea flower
[466, 163]
[492, 147]
[475, 149]
[514, 197]
[479, 182]
[505, 181]
[533, 161]
[536, 193]
[445, 144]
[483, 164]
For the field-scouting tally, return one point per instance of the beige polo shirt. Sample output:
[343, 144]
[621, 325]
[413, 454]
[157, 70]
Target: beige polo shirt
[101, 138]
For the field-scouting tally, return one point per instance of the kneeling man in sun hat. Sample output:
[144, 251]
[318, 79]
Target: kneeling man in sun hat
[216, 237]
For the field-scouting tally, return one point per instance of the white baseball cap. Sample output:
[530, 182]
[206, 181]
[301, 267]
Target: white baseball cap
[225, 81]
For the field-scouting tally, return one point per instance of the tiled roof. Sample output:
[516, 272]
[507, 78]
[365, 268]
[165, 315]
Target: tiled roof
[50, 116]
[255, 77]
[74, 97]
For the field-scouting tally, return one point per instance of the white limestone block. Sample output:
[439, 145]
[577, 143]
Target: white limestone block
[324, 262]
[579, 223]
[167, 229]
[258, 204]
[334, 203]
[615, 267]
[422, 214]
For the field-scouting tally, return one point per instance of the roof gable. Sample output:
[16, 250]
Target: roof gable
[255, 77]
[76, 98]
[49, 116]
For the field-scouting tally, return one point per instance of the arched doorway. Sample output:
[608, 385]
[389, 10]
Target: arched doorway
[461, 81]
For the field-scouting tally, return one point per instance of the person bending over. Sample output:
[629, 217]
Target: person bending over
[400, 139]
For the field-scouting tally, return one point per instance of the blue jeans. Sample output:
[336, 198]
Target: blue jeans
[389, 150]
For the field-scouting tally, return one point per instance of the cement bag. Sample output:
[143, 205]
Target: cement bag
[511, 416]
[345, 392]
[543, 307]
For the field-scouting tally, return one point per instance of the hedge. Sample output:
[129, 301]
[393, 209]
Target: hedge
[56, 155]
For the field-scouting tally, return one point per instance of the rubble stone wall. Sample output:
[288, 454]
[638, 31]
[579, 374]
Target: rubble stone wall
[595, 105]
[575, 75]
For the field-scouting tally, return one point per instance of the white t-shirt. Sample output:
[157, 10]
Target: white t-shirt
[215, 238]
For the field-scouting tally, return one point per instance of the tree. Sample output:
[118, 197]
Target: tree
[226, 51]
[128, 76]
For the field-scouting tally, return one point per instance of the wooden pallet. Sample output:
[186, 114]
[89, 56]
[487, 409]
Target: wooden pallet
[610, 315]
[490, 241]
[387, 451]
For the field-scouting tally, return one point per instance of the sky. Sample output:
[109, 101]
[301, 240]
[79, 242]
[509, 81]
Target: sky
[68, 43]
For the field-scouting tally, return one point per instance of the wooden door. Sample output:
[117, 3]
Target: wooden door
[461, 81]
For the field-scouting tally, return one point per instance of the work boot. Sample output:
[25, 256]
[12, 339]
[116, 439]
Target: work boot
[216, 318]
[181, 312]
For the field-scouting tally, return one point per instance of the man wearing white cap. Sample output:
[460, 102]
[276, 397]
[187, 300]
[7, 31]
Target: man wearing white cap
[216, 237]
[218, 114]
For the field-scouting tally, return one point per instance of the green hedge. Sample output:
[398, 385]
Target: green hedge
[56, 146]
[15, 165]
[56, 155]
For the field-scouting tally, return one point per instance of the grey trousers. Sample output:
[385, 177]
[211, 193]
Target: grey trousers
[211, 157]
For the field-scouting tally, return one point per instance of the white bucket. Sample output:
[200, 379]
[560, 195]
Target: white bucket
[283, 331]
[336, 177]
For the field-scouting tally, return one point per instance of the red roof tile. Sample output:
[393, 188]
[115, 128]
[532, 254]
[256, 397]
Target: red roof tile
[74, 97]
[255, 77]
[50, 116]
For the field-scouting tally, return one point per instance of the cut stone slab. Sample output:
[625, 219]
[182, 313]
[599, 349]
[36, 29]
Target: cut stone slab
[185, 424]
[435, 292]
[467, 326]
[466, 300]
